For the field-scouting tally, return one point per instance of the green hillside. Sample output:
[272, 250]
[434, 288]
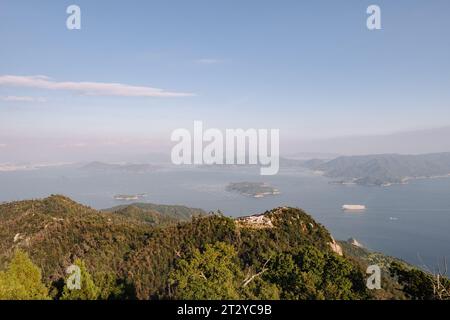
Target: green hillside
[156, 214]
[169, 252]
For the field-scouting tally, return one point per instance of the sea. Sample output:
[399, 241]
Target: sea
[410, 222]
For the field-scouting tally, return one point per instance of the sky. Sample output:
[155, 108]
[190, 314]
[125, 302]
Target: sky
[137, 70]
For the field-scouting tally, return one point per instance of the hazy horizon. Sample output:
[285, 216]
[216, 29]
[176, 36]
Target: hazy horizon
[53, 150]
[133, 74]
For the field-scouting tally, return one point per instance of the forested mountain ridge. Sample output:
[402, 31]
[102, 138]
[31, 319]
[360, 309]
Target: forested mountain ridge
[281, 254]
[56, 230]
[156, 214]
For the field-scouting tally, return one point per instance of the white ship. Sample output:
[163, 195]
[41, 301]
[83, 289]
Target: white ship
[353, 207]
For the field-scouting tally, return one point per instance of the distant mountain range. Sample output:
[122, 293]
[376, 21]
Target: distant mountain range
[383, 169]
[128, 167]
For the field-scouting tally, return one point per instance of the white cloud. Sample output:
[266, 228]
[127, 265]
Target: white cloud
[88, 88]
[3, 145]
[23, 99]
[208, 61]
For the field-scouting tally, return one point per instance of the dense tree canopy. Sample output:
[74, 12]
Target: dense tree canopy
[213, 273]
[420, 285]
[22, 280]
[121, 255]
[87, 289]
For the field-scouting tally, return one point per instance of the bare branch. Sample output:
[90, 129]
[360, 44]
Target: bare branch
[249, 278]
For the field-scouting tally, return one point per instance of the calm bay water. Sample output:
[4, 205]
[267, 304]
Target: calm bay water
[411, 221]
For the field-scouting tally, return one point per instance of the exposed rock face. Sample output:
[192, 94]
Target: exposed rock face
[355, 243]
[18, 237]
[336, 247]
[259, 221]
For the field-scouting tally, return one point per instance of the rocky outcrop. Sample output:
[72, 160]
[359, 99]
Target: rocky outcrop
[285, 215]
[355, 243]
[259, 221]
[335, 247]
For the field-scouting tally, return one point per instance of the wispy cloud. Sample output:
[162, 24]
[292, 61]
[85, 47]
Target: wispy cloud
[3, 145]
[74, 145]
[88, 88]
[208, 61]
[22, 99]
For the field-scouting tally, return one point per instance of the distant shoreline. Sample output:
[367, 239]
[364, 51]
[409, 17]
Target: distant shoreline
[404, 181]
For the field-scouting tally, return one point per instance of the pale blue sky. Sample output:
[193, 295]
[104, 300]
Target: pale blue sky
[310, 68]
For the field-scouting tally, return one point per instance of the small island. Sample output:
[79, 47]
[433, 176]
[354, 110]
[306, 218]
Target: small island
[253, 189]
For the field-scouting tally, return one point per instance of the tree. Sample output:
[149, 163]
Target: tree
[22, 280]
[259, 289]
[313, 274]
[208, 275]
[336, 281]
[110, 288]
[88, 290]
[420, 285]
[296, 282]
